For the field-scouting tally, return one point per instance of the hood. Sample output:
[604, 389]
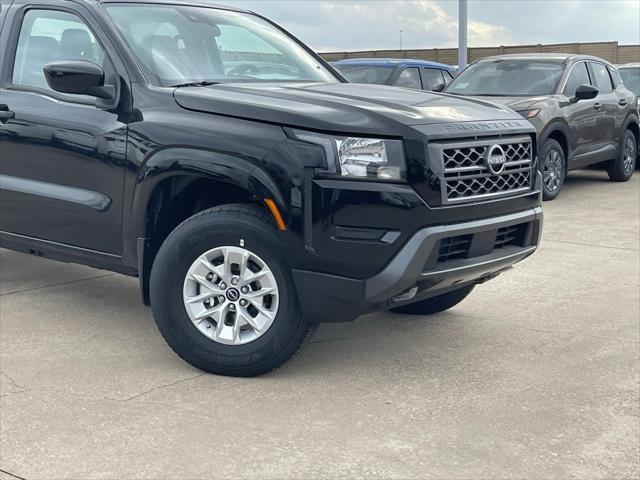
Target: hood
[515, 103]
[338, 107]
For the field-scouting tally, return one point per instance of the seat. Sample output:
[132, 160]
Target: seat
[76, 44]
[168, 60]
[39, 51]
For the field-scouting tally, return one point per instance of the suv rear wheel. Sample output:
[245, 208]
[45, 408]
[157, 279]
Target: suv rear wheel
[222, 293]
[553, 168]
[621, 169]
[436, 304]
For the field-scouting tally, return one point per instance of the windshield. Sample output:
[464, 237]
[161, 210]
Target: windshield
[508, 78]
[178, 44]
[631, 79]
[367, 73]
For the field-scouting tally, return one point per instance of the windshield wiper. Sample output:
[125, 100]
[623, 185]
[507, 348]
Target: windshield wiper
[204, 83]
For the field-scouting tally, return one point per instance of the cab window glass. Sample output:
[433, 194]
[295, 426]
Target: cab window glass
[46, 36]
[431, 78]
[409, 78]
[601, 77]
[578, 76]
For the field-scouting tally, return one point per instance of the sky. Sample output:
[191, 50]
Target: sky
[340, 25]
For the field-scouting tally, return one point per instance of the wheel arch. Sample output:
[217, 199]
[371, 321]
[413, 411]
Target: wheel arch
[177, 183]
[558, 131]
[632, 123]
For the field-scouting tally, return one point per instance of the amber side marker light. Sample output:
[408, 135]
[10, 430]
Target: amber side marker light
[273, 208]
[529, 113]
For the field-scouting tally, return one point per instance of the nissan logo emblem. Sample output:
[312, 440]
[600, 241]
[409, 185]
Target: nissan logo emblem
[496, 159]
[233, 294]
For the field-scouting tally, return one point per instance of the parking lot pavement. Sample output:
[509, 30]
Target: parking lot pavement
[536, 375]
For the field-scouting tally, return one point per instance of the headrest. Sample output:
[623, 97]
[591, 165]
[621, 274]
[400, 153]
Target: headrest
[75, 44]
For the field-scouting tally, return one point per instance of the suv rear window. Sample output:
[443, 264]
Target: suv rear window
[615, 77]
[409, 78]
[601, 77]
[431, 78]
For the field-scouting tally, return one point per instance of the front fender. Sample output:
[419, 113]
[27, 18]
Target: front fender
[556, 125]
[181, 161]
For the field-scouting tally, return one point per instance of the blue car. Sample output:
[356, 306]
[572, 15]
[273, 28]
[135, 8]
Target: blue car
[398, 72]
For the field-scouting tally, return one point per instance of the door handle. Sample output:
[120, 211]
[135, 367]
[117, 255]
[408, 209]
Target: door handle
[6, 114]
[622, 102]
[597, 106]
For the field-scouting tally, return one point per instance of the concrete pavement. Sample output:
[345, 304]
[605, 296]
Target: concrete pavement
[535, 375]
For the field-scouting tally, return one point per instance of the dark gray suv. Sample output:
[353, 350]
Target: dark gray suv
[582, 112]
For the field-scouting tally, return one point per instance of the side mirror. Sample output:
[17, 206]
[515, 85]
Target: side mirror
[439, 87]
[585, 92]
[78, 77]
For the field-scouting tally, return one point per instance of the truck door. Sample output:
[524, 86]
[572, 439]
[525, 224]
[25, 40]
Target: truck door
[61, 157]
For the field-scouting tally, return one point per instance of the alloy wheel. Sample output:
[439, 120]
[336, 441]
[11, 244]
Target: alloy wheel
[553, 170]
[231, 295]
[629, 155]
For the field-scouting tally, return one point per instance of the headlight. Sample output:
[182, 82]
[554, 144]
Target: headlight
[529, 113]
[359, 157]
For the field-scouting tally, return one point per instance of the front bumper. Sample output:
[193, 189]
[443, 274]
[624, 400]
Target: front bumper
[433, 261]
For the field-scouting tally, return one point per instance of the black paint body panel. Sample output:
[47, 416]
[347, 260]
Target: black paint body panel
[72, 148]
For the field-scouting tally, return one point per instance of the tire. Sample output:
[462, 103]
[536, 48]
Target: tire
[436, 304]
[226, 342]
[554, 168]
[621, 169]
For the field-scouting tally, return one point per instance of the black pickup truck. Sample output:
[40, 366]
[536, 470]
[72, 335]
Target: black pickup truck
[251, 189]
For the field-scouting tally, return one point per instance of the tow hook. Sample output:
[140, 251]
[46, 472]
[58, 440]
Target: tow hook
[406, 295]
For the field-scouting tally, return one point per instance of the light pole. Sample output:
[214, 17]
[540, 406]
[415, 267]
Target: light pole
[462, 34]
[401, 32]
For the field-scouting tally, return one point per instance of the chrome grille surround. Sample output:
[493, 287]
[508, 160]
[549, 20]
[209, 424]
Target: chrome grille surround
[465, 175]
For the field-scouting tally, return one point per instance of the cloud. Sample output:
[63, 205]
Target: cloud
[481, 34]
[563, 21]
[339, 25]
[432, 17]
[353, 25]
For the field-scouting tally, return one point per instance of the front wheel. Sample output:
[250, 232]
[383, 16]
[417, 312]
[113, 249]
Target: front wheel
[222, 293]
[553, 168]
[621, 169]
[436, 304]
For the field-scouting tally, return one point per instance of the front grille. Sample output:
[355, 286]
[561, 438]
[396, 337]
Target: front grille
[512, 235]
[467, 176]
[463, 157]
[454, 247]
